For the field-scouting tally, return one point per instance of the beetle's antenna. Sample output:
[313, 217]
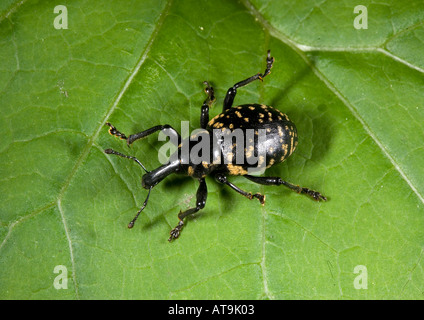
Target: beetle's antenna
[110, 151]
[131, 224]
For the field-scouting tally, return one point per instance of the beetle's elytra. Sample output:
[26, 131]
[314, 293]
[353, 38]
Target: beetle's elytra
[273, 138]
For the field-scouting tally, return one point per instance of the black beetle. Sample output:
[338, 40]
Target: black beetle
[279, 140]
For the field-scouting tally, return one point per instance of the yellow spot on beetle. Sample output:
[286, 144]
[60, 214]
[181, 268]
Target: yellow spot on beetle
[190, 171]
[285, 149]
[236, 170]
[280, 131]
[271, 163]
[291, 146]
[229, 157]
[249, 152]
[261, 161]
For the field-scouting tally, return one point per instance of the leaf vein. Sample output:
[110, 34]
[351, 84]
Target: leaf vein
[94, 136]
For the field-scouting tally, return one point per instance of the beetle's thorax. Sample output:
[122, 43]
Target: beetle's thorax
[196, 154]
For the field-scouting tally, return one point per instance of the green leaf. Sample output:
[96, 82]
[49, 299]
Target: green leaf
[356, 98]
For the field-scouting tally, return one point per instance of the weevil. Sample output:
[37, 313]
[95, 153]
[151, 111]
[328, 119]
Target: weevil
[279, 140]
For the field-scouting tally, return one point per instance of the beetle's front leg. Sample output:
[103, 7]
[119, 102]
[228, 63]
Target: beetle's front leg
[166, 128]
[223, 179]
[201, 195]
[204, 113]
[110, 151]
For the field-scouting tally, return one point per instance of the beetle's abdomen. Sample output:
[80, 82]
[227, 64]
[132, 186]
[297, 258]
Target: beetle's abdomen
[269, 137]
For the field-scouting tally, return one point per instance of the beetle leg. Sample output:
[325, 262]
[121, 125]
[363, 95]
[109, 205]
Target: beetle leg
[204, 114]
[231, 93]
[167, 129]
[110, 151]
[275, 181]
[115, 132]
[131, 224]
[223, 179]
[201, 195]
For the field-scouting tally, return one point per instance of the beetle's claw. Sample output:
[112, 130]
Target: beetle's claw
[115, 132]
[261, 198]
[313, 194]
[317, 196]
[175, 233]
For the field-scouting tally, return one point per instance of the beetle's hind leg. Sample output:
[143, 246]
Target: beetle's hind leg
[201, 195]
[275, 181]
[207, 104]
[223, 179]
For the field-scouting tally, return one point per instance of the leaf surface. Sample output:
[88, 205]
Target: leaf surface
[355, 96]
